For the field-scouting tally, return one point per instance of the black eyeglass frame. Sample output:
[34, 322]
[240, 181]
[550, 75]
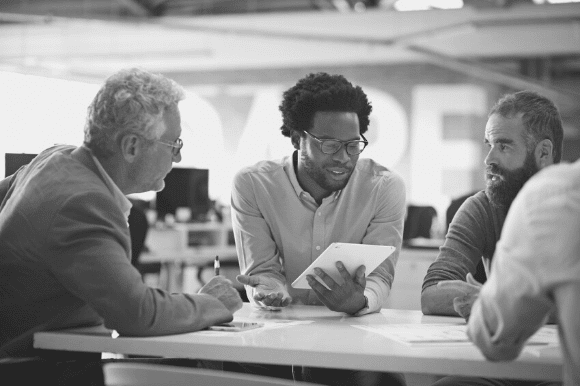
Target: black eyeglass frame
[342, 143]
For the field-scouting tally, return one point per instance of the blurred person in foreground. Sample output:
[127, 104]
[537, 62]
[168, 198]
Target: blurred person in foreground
[65, 249]
[286, 212]
[535, 270]
[524, 135]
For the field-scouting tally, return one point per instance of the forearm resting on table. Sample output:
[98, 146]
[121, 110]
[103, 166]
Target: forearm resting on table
[438, 301]
[496, 325]
[482, 330]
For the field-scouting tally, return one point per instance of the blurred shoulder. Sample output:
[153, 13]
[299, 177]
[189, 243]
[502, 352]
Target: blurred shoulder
[558, 176]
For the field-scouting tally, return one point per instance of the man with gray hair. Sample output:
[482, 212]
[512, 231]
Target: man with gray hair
[524, 134]
[64, 239]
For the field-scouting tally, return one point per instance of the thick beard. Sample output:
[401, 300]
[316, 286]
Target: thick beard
[502, 194]
[317, 174]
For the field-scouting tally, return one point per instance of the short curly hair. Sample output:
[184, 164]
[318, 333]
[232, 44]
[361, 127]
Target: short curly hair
[321, 92]
[131, 101]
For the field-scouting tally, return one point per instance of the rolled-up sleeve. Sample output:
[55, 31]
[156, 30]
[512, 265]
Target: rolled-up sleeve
[386, 228]
[255, 246]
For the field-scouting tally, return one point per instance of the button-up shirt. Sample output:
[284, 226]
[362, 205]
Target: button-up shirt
[280, 229]
[538, 253]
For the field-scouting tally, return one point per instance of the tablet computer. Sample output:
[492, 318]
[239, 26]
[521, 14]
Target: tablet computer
[352, 256]
[235, 326]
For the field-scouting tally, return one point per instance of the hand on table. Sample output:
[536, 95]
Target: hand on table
[223, 289]
[269, 292]
[469, 291]
[348, 297]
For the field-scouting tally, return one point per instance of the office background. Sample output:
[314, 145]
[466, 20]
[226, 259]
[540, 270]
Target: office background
[431, 74]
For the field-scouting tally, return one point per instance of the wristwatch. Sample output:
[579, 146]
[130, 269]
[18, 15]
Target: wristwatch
[366, 303]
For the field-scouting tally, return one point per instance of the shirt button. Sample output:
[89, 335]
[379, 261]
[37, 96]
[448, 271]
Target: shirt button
[318, 247]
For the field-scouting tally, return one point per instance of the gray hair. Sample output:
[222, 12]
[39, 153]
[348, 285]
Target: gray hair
[540, 117]
[132, 101]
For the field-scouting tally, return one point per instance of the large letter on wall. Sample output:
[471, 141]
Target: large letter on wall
[388, 131]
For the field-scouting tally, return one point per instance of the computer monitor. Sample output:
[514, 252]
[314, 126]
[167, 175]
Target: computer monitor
[185, 187]
[13, 161]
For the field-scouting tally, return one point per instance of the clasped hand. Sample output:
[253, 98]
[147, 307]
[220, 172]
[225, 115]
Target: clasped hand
[468, 290]
[346, 297]
[269, 292]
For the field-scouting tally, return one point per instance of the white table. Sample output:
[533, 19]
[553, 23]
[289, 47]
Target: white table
[330, 340]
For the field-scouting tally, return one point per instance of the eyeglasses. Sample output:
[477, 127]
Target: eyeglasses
[331, 146]
[177, 145]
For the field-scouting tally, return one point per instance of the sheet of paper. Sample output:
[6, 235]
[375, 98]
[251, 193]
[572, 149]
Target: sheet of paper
[265, 324]
[445, 334]
[282, 323]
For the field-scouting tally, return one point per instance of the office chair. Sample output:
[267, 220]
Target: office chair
[138, 374]
[418, 222]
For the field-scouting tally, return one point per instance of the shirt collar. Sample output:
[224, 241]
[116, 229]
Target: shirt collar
[291, 173]
[118, 196]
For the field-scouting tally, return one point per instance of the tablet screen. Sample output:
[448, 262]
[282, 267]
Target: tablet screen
[352, 256]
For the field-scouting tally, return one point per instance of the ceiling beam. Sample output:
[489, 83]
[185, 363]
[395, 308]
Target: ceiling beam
[566, 99]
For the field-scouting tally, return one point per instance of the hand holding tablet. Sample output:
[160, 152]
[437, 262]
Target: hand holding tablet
[351, 255]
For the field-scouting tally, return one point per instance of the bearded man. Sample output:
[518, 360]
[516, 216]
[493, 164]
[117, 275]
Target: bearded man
[287, 212]
[524, 134]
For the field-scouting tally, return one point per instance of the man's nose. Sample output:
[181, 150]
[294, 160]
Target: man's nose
[341, 154]
[491, 158]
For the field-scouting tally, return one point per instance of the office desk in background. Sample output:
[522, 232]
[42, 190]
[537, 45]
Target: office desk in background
[316, 336]
[184, 250]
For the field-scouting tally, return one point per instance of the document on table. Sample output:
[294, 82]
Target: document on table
[445, 334]
[263, 325]
[281, 323]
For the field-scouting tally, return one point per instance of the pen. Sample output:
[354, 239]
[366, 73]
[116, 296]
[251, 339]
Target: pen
[216, 265]
[486, 267]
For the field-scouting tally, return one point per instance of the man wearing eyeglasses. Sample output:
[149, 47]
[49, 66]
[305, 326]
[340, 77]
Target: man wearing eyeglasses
[64, 239]
[287, 212]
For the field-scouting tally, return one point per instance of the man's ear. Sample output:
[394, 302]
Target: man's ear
[130, 147]
[544, 153]
[296, 139]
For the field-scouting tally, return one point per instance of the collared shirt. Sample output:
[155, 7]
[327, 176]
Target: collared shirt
[124, 203]
[280, 229]
[538, 252]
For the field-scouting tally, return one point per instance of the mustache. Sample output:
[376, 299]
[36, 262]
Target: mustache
[494, 169]
[347, 167]
[341, 165]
